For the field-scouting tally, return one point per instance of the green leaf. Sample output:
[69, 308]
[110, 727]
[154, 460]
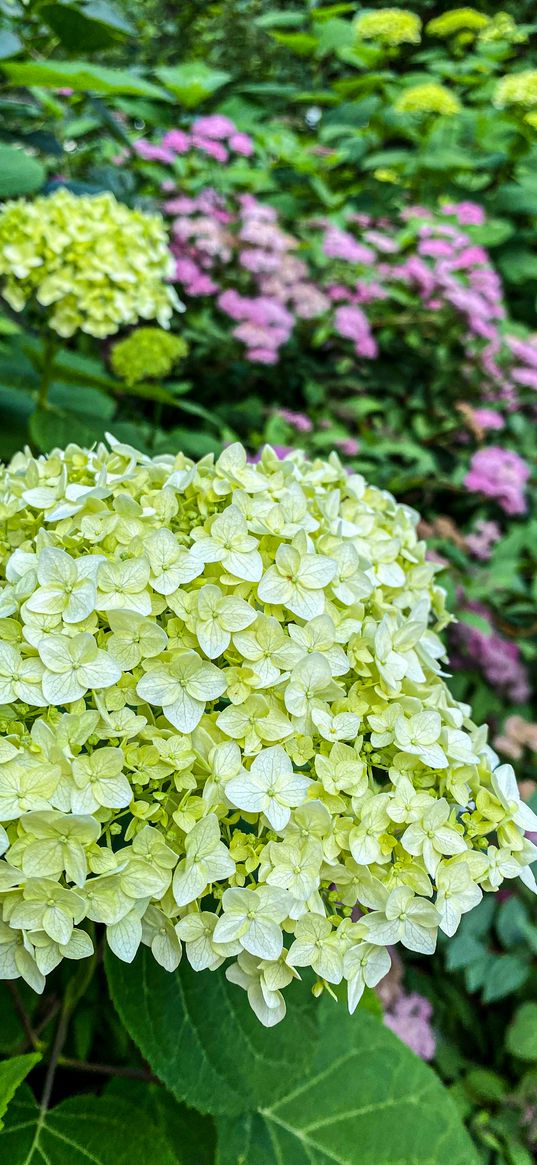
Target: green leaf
[192, 81]
[199, 1034]
[368, 1100]
[182, 1126]
[12, 1073]
[82, 77]
[56, 427]
[507, 974]
[95, 25]
[511, 922]
[19, 173]
[84, 1130]
[301, 43]
[10, 44]
[521, 1036]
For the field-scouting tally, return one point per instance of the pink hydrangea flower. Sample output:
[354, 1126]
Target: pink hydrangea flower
[467, 213]
[338, 244]
[177, 140]
[152, 153]
[215, 125]
[240, 143]
[297, 421]
[482, 538]
[497, 658]
[488, 419]
[499, 474]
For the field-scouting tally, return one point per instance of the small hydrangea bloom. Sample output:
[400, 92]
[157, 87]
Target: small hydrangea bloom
[390, 26]
[431, 97]
[94, 263]
[234, 670]
[148, 353]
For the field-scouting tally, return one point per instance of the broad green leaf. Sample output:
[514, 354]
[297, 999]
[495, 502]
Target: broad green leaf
[184, 1128]
[94, 25]
[521, 1038]
[55, 427]
[192, 81]
[80, 76]
[12, 1073]
[199, 1035]
[19, 173]
[368, 1101]
[85, 1130]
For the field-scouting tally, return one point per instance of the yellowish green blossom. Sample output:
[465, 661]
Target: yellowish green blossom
[501, 26]
[148, 353]
[390, 26]
[457, 20]
[431, 97]
[517, 89]
[91, 262]
[227, 725]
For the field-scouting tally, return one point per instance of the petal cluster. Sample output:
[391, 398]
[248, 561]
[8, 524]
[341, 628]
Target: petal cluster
[225, 724]
[94, 264]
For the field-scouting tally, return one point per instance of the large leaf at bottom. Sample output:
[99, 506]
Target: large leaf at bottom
[199, 1035]
[85, 1130]
[367, 1101]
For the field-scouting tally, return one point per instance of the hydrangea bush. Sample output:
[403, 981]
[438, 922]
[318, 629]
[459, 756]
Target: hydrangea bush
[226, 724]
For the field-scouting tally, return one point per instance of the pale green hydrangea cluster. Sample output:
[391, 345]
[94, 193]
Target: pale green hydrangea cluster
[431, 97]
[517, 89]
[148, 353]
[457, 20]
[95, 263]
[225, 725]
[389, 26]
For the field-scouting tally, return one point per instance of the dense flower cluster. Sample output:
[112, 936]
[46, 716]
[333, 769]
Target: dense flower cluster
[431, 97]
[517, 89]
[500, 474]
[147, 353]
[96, 264]
[457, 20]
[390, 26]
[215, 135]
[226, 727]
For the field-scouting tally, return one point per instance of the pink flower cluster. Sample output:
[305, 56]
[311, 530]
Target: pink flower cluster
[500, 474]
[496, 657]
[215, 135]
[410, 1018]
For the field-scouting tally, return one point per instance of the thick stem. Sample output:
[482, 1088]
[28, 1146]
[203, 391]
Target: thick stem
[49, 354]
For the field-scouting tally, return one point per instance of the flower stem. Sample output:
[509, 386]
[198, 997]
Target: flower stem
[47, 366]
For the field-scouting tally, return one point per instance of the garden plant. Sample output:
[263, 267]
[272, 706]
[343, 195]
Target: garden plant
[268, 609]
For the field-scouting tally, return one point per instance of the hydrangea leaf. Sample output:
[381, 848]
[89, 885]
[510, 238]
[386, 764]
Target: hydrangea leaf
[12, 1073]
[365, 1089]
[84, 1130]
[200, 1036]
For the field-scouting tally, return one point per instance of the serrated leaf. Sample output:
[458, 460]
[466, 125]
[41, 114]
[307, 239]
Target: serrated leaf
[19, 173]
[368, 1100]
[199, 1035]
[12, 1073]
[84, 1130]
[192, 81]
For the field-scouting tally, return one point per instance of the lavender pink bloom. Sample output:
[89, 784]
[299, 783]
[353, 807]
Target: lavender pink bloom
[497, 658]
[500, 474]
[410, 1018]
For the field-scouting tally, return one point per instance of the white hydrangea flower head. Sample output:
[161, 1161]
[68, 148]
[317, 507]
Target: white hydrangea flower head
[91, 262]
[226, 732]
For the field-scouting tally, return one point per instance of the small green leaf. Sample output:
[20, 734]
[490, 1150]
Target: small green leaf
[12, 1073]
[10, 44]
[95, 25]
[192, 81]
[521, 1037]
[19, 173]
[507, 973]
